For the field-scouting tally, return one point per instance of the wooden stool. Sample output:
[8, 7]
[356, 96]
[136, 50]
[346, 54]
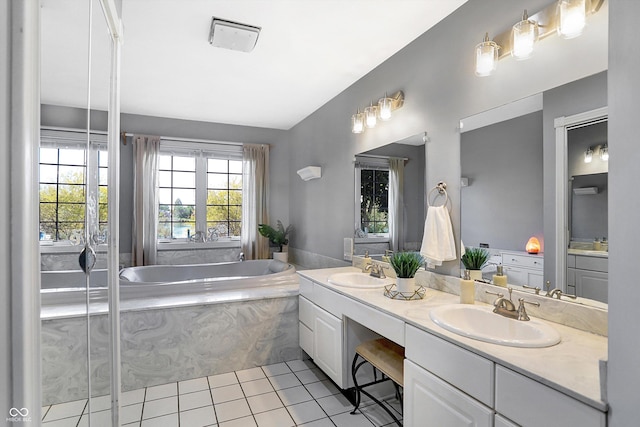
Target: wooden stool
[388, 358]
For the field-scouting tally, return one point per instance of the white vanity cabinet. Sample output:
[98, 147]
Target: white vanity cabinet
[588, 276]
[522, 268]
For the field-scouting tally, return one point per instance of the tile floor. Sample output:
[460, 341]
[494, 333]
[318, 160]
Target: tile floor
[294, 393]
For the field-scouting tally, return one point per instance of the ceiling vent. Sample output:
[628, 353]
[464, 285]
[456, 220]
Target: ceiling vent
[233, 35]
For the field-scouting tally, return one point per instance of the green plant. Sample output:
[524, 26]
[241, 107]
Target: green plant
[406, 264]
[277, 236]
[474, 258]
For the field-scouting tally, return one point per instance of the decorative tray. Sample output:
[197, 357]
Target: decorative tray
[391, 292]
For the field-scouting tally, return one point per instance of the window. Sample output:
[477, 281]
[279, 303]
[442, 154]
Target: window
[63, 183]
[200, 189]
[372, 195]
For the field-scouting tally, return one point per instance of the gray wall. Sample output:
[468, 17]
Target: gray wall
[572, 98]
[589, 213]
[502, 205]
[436, 74]
[132, 123]
[624, 201]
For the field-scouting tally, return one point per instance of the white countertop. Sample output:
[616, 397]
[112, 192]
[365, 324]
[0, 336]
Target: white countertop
[588, 252]
[571, 367]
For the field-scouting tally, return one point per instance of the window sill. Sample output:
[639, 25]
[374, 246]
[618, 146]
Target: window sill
[185, 246]
[66, 248]
[372, 239]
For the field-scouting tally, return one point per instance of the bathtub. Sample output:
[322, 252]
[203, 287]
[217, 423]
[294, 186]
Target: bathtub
[176, 323]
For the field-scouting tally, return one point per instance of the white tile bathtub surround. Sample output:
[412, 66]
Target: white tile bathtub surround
[197, 256]
[308, 259]
[571, 367]
[580, 316]
[171, 344]
[57, 261]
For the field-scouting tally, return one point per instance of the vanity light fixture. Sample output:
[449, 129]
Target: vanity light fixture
[604, 153]
[588, 155]
[572, 17]
[486, 56]
[357, 122]
[525, 35]
[566, 18]
[382, 110]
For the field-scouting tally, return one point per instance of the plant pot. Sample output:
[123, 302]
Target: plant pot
[281, 256]
[475, 274]
[406, 285]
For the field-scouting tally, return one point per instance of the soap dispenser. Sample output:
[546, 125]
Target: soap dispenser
[500, 279]
[365, 261]
[597, 246]
[467, 289]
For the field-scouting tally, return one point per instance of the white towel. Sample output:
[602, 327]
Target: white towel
[438, 244]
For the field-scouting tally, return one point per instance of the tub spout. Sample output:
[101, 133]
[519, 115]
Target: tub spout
[241, 256]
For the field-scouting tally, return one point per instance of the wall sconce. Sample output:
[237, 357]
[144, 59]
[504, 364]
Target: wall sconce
[533, 246]
[566, 18]
[382, 110]
[604, 153]
[588, 155]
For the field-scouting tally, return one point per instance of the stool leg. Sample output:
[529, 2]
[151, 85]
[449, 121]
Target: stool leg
[354, 369]
[399, 395]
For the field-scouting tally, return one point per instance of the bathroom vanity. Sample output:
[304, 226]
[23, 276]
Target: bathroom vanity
[450, 379]
[588, 274]
[522, 268]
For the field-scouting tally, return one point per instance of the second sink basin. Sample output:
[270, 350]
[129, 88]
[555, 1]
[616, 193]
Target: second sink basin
[358, 280]
[480, 323]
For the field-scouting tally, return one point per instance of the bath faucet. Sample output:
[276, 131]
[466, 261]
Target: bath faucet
[198, 236]
[522, 313]
[504, 306]
[555, 292]
[376, 270]
[241, 256]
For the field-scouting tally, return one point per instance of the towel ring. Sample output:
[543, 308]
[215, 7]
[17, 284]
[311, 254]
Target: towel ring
[441, 188]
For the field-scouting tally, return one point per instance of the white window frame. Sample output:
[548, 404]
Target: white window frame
[201, 150]
[363, 161]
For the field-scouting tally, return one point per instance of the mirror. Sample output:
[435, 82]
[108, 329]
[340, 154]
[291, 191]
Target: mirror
[373, 201]
[505, 195]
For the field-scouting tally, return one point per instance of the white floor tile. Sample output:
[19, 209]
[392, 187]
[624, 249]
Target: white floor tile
[189, 386]
[65, 422]
[100, 403]
[161, 391]
[199, 417]
[253, 388]
[66, 410]
[159, 407]
[335, 404]
[349, 420]
[240, 422]
[132, 397]
[308, 376]
[98, 419]
[227, 393]
[222, 380]
[44, 410]
[377, 415]
[131, 413]
[284, 381]
[170, 420]
[324, 422]
[291, 396]
[264, 402]
[322, 389]
[305, 412]
[250, 374]
[276, 418]
[299, 365]
[231, 410]
[194, 400]
[276, 369]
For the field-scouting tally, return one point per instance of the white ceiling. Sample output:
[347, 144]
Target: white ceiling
[308, 52]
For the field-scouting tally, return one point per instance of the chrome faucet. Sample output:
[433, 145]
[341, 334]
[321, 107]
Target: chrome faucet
[556, 292]
[522, 313]
[504, 306]
[376, 270]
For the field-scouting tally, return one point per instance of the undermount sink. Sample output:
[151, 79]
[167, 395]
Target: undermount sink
[358, 280]
[481, 323]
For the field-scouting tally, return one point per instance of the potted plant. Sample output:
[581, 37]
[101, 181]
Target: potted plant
[473, 260]
[277, 237]
[405, 264]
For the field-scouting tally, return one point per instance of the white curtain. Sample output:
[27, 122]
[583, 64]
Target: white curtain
[145, 199]
[396, 203]
[255, 194]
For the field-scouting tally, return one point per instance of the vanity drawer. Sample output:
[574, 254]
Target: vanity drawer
[521, 399]
[592, 263]
[461, 368]
[305, 311]
[306, 339]
[527, 261]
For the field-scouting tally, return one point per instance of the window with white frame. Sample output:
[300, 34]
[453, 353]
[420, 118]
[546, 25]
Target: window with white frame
[372, 195]
[200, 189]
[64, 182]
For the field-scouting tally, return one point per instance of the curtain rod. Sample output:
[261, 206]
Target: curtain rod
[376, 156]
[124, 135]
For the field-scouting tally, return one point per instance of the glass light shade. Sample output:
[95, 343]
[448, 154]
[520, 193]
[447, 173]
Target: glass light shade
[533, 246]
[604, 153]
[370, 116]
[384, 108]
[357, 122]
[572, 17]
[486, 57]
[588, 155]
[525, 35]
